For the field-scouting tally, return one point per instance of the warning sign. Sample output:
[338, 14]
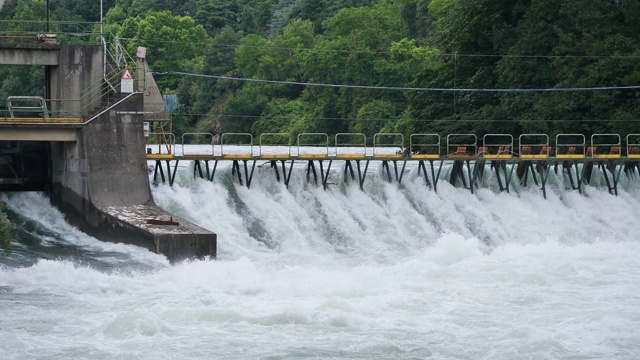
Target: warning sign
[127, 75]
[126, 82]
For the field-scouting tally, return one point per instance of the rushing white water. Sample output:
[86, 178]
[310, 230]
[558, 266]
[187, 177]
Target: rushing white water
[391, 272]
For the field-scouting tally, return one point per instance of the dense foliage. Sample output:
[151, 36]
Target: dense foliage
[465, 48]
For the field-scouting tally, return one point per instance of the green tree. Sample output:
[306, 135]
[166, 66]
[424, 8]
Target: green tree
[72, 10]
[472, 34]
[215, 15]
[256, 57]
[374, 117]
[243, 108]
[171, 41]
[584, 44]
[202, 95]
[279, 116]
[350, 53]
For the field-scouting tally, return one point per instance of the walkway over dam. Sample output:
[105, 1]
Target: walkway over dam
[531, 156]
[56, 142]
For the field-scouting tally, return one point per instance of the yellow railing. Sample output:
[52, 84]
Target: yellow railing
[390, 146]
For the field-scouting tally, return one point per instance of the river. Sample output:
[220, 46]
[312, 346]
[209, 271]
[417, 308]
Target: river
[391, 272]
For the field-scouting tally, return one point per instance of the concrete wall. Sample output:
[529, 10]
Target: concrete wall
[29, 54]
[80, 67]
[108, 159]
[115, 144]
[99, 174]
[102, 185]
[71, 71]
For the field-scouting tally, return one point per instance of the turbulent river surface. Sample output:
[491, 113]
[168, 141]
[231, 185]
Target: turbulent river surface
[391, 272]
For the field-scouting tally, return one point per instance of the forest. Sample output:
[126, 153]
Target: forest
[371, 66]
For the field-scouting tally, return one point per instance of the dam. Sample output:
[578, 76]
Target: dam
[83, 144]
[530, 157]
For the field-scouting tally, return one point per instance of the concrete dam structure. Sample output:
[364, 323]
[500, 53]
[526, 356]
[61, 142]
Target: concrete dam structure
[83, 143]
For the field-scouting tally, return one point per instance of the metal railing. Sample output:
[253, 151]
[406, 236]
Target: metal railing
[63, 32]
[388, 146]
[116, 61]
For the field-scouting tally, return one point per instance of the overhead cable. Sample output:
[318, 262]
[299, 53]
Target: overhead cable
[400, 88]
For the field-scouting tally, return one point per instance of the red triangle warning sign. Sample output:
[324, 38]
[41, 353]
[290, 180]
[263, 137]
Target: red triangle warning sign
[127, 75]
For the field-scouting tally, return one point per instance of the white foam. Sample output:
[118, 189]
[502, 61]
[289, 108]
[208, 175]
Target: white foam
[387, 272]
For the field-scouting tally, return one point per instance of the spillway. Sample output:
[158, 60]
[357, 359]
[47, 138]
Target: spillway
[384, 272]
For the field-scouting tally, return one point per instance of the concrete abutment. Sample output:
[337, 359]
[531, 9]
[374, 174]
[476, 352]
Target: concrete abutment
[99, 177]
[101, 182]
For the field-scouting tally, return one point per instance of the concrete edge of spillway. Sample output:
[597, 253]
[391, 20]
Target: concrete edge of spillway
[101, 184]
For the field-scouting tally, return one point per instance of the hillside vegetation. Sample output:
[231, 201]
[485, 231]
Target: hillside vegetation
[412, 66]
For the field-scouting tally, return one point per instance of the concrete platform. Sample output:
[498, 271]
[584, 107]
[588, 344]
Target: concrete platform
[161, 232]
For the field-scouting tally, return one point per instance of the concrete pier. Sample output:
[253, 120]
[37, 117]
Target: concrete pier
[101, 182]
[98, 167]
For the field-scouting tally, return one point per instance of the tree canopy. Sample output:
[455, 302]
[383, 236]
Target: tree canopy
[472, 66]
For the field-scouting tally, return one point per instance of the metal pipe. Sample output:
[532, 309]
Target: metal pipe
[100, 17]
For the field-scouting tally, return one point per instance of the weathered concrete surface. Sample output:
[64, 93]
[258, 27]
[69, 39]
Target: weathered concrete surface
[99, 175]
[32, 54]
[181, 241]
[153, 102]
[40, 133]
[101, 182]
[79, 67]
[73, 73]
[71, 70]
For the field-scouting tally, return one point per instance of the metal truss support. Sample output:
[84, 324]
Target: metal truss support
[235, 170]
[286, 175]
[398, 175]
[361, 174]
[171, 175]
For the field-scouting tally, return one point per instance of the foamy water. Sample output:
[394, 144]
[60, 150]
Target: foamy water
[386, 273]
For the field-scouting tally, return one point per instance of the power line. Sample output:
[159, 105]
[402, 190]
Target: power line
[378, 52]
[412, 120]
[399, 88]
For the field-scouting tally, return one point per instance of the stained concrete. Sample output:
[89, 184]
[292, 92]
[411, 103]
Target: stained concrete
[79, 68]
[102, 184]
[32, 54]
[33, 133]
[99, 175]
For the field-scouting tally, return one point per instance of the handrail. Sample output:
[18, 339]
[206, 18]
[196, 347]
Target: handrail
[633, 145]
[572, 147]
[377, 144]
[247, 136]
[104, 63]
[496, 146]
[612, 141]
[343, 145]
[109, 83]
[532, 147]
[464, 147]
[39, 99]
[262, 141]
[49, 31]
[424, 149]
[325, 145]
[206, 135]
[169, 144]
[110, 107]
